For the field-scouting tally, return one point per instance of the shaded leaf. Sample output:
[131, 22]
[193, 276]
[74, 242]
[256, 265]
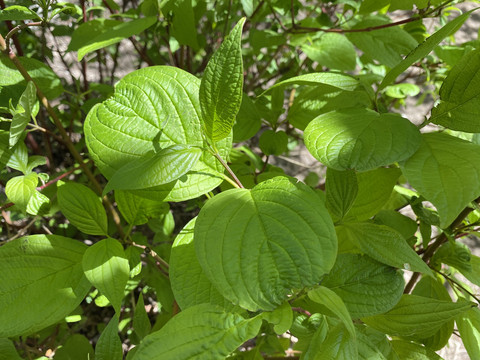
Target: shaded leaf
[24, 112]
[341, 190]
[109, 345]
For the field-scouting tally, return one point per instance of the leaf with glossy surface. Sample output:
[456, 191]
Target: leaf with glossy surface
[424, 48]
[202, 332]
[360, 139]
[138, 210]
[257, 245]
[24, 112]
[109, 346]
[416, 316]
[190, 285]
[83, 208]
[153, 108]
[341, 189]
[445, 170]
[386, 246]
[366, 286]
[151, 170]
[221, 86]
[42, 282]
[20, 189]
[107, 268]
[460, 96]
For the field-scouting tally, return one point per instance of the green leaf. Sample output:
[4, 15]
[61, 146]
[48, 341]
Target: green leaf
[424, 48]
[374, 189]
[339, 344]
[257, 245]
[109, 345]
[19, 158]
[77, 347]
[334, 303]
[38, 204]
[341, 190]
[445, 170]
[468, 324]
[360, 139]
[281, 318]
[416, 316]
[141, 322]
[460, 96]
[17, 12]
[366, 286]
[410, 351]
[368, 349]
[406, 226]
[44, 272]
[184, 25]
[20, 189]
[24, 112]
[87, 31]
[386, 246]
[154, 108]
[386, 45]
[273, 143]
[221, 86]
[327, 80]
[116, 34]
[201, 332]
[138, 210]
[12, 83]
[83, 208]
[8, 351]
[401, 91]
[333, 51]
[190, 285]
[248, 121]
[316, 100]
[161, 168]
[107, 268]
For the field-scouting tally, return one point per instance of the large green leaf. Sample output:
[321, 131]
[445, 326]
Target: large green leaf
[468, 324]
[339, 344]
[12, 83]
[386, 45]
[366, 286]
[360, 139]
[153, 108]
[200, 332]
[333, 51]
[341, 190]
[460, 96]
[385, 245]
[42, 282]
[137, 210]
[83, 208]
[445, 170]
[109, 345]
[115, 34]
[107, 268]
[257, 245]
[161, 168]
[417, 316]
[221, 86]
[189, 283]
[24, 112]
[424, 48]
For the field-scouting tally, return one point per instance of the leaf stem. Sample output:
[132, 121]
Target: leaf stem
[225, 165]
[456, 283]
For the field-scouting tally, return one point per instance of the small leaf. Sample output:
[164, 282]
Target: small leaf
[77, 347]
[203, 332]
[141, 322]
[37, 204]
[19, 158]
[83, 208]
[8, 351]
[21, 118]
[221, 86]
[281, 318]
[44, 271]
[339, 344]
[460, 96]
[138, 210]
[274, 238]
[360, 139]
[17, 12]
[468, 324]
[416, 316]
[401, 91]
[273, 143]
[341, 190]
[116, 34]
[366, 286]
[109, 346]
[107, 268]
[167, 165]
[386, 246]
[445, 170]
[424, 48]
[332, 50]
[20, 189]
[329, 299]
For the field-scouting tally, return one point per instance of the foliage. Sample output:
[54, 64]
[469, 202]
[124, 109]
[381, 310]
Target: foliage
[148, 214]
